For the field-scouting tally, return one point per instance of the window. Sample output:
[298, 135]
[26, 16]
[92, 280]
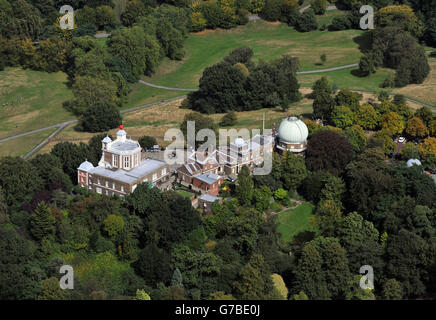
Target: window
[98, 181]
[107, 192]
[115, 161]
[154, 176]
[98, 190]
[145, 180]
[122, 188]
[107, 184]
[164, 171]
[113, 185]
[126, 162]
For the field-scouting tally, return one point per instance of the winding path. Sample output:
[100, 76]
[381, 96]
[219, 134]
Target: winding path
[61, 126]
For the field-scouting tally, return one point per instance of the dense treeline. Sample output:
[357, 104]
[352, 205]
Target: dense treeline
[236, 83]
[151, 244]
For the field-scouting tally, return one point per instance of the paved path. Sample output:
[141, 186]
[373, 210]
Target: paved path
[167, 88]
[348, 66]
[63, 125]
[329, 8]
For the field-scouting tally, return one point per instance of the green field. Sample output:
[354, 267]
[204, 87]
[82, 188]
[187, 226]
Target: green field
[268, 41]
[185, 193]
[31, 100]
[21, 146]
[292, 222]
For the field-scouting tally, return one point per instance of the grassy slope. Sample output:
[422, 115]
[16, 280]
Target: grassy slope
[31, 100]
[268, 41]
[23, 145]
[292, 222]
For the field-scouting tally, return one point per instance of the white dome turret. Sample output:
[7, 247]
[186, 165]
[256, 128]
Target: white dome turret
[293, 130]
[121, 134]
[85, 166]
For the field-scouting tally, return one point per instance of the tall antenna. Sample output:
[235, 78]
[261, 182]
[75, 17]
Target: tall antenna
[263, 124]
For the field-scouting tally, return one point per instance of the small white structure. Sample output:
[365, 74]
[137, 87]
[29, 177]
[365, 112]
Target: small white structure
[412, 162]
[292, 135]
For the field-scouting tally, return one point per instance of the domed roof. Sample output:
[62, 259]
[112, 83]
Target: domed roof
[293, 130]
[85, 166]
[239, 142]
[107, 139]
[412, 162]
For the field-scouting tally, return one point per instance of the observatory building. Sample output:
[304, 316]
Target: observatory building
[292, 135]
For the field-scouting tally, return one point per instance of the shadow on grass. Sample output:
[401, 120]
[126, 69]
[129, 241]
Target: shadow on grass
[364, 41]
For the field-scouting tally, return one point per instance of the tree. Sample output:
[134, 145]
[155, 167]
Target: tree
[153, 265]
[407, 259]
[138, 49]
[361, 240]
[221, 89]
[393, 123]
[416, 128]
[71, 156]
[367, 117]
[244, 186]
[147, 142]
[319, 6]
[52, 291]
[200, 122]
[322, 271]
[92, 92]
[356, 136]
[341, 22]
[392, 290]
[428, 147]
[19, 180]
[328, 215]
[328, 150]
[262, 198]
[229, 119]
[342, 116]
[254, 281]
[101, 117]
[425, 115]
[141, 295]
[293, 171]
[113, 225]
[95, 146]
[410, 151]
[306, 21]
[349, 99]
[280, 289]
[177, 279]
[134, 9]
[399, 16]
[430, 32]
[42, 222]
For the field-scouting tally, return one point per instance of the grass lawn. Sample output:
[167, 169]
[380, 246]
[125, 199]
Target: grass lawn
[21, 146]
[425, 92]
[268, 40]
[185, 194]
[292, 222]
[31, 100]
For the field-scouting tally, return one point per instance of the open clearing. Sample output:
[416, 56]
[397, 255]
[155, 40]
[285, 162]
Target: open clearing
[21, 146]
[268, 41]
[292, 222]
[31, 100]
